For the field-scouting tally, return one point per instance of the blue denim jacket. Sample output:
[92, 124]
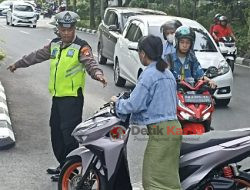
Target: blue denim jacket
[190, 62]
[167, 49]
[154, 99]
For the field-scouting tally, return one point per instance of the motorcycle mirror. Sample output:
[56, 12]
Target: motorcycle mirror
[211, 72]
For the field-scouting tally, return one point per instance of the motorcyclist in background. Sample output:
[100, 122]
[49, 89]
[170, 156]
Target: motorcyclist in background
[183, 62]
[222, 30]
[168, 30]
[216, 22]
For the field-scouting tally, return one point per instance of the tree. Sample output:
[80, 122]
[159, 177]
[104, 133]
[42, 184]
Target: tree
[74, 5]
[178, 7]
[92, 13]
[127, 2]
[119, 3]
[194, 9]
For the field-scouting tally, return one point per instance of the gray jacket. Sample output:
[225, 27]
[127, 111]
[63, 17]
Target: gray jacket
[44, 54]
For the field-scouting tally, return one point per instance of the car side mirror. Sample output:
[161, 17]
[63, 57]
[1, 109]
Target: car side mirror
[133, 46]
[113, 28]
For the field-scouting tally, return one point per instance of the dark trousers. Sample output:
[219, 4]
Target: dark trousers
[66, 114]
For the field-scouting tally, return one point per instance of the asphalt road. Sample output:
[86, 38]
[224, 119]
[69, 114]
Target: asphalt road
[23, 167]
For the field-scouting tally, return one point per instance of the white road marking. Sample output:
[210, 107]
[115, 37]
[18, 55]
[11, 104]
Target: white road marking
[24, 32]
[245, 66]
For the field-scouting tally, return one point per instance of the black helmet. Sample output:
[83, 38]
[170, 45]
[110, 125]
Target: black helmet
[184, 32]
[217, 16]
[170, 25]
[66, 18]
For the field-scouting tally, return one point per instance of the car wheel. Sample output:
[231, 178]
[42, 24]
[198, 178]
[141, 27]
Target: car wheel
[222, 102]
[119, 81]
[101, 59]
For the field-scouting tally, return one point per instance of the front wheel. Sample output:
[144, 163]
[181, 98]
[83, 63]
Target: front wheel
[222, 102]
[231, 64]
[119, 81]
[72, 173]
[101, 59]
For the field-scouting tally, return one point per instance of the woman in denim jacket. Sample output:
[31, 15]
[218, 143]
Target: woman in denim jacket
[153, 103]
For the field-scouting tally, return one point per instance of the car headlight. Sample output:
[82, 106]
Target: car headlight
[223, 68]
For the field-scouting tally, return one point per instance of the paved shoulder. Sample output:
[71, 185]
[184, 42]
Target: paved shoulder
[7, 137]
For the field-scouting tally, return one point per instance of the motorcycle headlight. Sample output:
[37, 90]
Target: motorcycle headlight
[206, 116]
[186, 116]
[184, 107]
[223, 68]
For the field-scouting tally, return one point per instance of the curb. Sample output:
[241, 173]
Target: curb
[243, 61]
[89, 31]
[7, 137]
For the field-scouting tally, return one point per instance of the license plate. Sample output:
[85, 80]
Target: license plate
[197, 98]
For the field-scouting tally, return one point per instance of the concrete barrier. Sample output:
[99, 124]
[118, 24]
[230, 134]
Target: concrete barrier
[7, 137]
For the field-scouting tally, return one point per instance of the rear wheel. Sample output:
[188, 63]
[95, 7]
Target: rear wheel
[119, 81]
[72, 173]
[101, 59]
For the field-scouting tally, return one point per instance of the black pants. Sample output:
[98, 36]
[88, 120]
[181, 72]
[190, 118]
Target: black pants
[66, 114]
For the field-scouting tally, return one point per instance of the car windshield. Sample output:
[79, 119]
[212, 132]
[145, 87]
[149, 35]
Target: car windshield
[125, 16]
[203, 42]
[24, 8]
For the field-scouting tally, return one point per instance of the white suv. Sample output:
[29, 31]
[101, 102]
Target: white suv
[21, 13]
[127, 66]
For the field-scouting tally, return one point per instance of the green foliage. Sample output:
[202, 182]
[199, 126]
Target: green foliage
[238, 13]
[2, 55]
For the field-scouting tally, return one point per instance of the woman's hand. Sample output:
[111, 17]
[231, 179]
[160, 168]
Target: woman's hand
[114, 99]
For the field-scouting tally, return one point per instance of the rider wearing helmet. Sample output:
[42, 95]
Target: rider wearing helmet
[168, 29]
[222, 30]
[183, 63]
[216, 22]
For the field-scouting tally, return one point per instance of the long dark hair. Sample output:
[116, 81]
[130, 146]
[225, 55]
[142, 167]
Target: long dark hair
[152, 46]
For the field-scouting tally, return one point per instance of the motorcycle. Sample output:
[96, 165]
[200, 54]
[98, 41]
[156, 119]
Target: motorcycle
[47, 13]
[228, 49]
[207, 162]
[195, 106]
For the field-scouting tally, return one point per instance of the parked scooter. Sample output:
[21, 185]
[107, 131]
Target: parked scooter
[195, 106]
[207, 162]
[228, 49]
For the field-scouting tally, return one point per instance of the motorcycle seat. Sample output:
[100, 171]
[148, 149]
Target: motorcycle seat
[192, 143]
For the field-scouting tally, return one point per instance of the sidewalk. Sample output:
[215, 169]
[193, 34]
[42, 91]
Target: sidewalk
[243, 61]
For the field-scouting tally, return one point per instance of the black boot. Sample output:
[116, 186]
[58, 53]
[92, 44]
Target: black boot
[55, 177]
[54, 170]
